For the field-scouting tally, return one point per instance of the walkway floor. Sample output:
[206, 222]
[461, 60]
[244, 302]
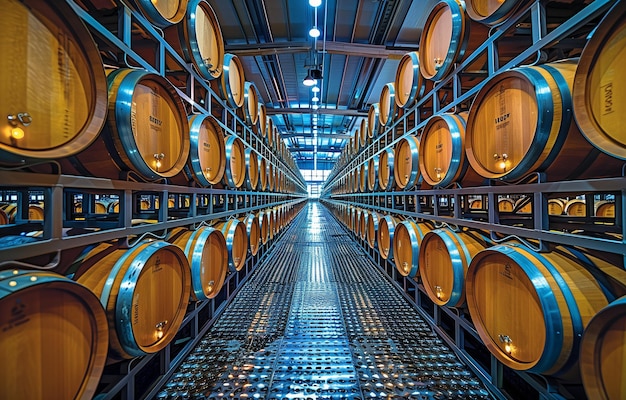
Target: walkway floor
[317, 320]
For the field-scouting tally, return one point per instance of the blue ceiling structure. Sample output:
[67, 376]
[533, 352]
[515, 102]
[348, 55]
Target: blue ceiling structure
[358, 52]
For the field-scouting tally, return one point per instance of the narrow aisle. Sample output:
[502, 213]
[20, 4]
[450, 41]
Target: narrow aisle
[317, 320]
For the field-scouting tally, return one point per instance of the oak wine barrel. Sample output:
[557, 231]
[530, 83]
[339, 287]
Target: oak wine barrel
[261, 126]
[251, 103]
[162, 13]
[363, 223]
[387, 105]
[605, 208]
[252, 169]
[373, 222]
[409, 83]
[236, 242]
[521, 123]
[144, 290]
[232, 81]
[207, 158]
[54, 337]
[407, 240]
[442, 150]
[556, 206]
[262, 185]
[253, 230]
[235, 162]
[53, 85]
[263, 226]
[575, 208]
[603, 353]
[530, 308]
[600, 84]
[363, 177]
[386, 162]
[444, 257]
[490, 12]
[147, 131]
[373, 120]
[406, 163]
[386, 230]
[207, 254]
[201, 39]
[372, 174]
[366, 134]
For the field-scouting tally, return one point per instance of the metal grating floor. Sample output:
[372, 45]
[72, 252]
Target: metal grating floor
[317, 320]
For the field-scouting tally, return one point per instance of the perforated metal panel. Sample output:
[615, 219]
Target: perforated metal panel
[318, 321]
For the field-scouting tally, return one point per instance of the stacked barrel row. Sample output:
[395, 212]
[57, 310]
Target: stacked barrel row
[557, 313]
[121, 302]
[129, 122]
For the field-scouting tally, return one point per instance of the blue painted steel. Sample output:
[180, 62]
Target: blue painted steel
[156, 18]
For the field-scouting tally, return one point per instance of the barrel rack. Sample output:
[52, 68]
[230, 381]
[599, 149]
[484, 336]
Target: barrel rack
[450, 206]
[63, 230]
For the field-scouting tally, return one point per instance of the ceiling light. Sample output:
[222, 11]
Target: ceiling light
[315, 89]
[315, 98]
[316, 74]
[315, 3]
[315, 106]
[309, 80]
[314, 32]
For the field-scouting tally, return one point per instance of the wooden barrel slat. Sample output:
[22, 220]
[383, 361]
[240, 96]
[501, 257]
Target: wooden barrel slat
[53, 83]
[406, 163]
[444, 257]
[236, 243]
[144, 290]
[206, 252]
[409, 84]
[407, 240]
[54, 337]
[207, 158]
[232, 81]
[530, 308]
[492, 12]
[600, 84]
[163, 13]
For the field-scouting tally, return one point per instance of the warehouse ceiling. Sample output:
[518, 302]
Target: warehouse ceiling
[358, 52]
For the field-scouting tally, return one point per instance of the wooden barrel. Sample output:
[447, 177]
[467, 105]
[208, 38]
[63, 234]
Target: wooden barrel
[373, 120]
[575, 208]
[54, 337]
[356, 180]
[491, 12]
[409, 83]
[163, 13]
[407, 239]
[207, 152]
[207, 254]
[442, 146]
[373, 222]
[235, 161]
[362, 136]
[253, 230]
[444, 39]
[599, 86]
[363, 224]
[386, 230]
[363, 177]
[406, 163]
[506, 204]
[387, 104]
[201, 39]
[372, 174]
[147, 130]
[54, 97]
[271, 181]
[251, 103]
[144, 290]
[261, 125]
[232, 81]
[252, 169]
[263, 226]
[530, 308]
[270, 223]
[520, 123]
[444, 257]
[603, 352]
[262, 174]
[4, 218]
[604, 208]
[236, 242]
[556, 206]
[386, 162]
[270, 132]
[366, 135]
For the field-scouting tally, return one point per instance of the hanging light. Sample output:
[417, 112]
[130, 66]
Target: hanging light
[309, 80]
[314, 32]
[315, 3]
[315, 89]
[315, 98]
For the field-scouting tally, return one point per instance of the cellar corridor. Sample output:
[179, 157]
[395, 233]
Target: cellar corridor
[318, 320]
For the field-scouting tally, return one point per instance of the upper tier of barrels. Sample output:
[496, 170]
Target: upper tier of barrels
[63, 105]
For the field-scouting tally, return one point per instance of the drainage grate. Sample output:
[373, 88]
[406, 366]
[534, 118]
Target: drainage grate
[318, 321]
